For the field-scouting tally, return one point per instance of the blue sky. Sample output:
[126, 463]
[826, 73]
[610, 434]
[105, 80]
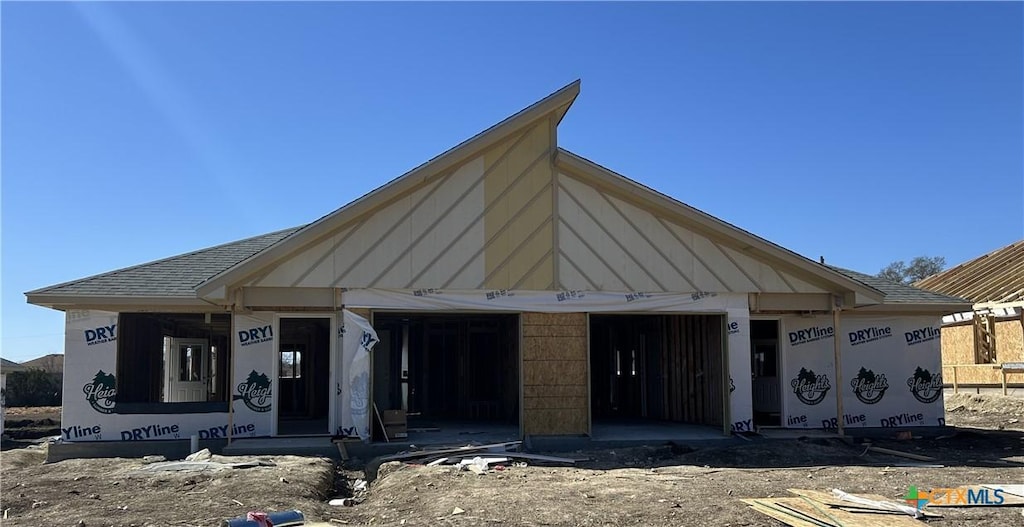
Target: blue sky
[862, 132]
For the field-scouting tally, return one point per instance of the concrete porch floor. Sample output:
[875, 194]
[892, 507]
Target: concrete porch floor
[651, 431]
[458, 432]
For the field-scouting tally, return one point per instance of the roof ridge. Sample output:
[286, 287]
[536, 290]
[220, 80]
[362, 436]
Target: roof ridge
[557, 100]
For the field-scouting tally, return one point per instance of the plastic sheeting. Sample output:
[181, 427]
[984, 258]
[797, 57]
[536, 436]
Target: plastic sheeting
[357, 341]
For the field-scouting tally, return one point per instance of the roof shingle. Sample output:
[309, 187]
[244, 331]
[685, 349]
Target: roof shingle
[896, 293]
[176, 276]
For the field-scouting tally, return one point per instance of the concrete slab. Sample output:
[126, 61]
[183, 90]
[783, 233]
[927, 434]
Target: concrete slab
[281, 446]
[654, 431]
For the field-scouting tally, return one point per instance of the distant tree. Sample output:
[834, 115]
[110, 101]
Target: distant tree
[919, 268]
[33, 387]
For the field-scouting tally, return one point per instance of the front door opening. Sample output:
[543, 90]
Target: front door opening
[650, 368]
[304, 370]
[764, 368]
[189, 362]
[446, 377]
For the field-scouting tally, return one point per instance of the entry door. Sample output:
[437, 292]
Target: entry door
[627, 370]
[188, 373]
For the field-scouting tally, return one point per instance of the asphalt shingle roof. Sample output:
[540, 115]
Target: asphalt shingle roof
[8, 366]
[896, 293]
[176, 276]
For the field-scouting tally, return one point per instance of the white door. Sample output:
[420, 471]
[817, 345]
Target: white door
[187, 362]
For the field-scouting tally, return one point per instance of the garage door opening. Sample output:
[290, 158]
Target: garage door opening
[652, 375]
[446, 378]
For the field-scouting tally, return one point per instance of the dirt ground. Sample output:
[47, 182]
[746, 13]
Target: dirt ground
[656, 485]
[32, 422]
[994, 412]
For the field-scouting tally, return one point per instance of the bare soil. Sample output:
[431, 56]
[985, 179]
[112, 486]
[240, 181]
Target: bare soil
[994, 412]
[655, 485]
[32, 422]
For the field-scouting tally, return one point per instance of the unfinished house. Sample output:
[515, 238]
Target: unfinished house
[983, 348]
[507, 288]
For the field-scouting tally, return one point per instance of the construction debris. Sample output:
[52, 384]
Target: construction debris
[899, 453]
[840, 509]
[464, 456]
[199, 466]
[288, 518]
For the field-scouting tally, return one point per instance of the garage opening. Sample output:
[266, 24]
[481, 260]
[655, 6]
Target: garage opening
[651, 374]
[304, 376]
[446, 378]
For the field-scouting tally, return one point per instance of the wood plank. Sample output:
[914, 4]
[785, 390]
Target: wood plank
[899, 453]
[493, 447]
[1016, 490]
[831, 500]
[847, 519]
[779, 514]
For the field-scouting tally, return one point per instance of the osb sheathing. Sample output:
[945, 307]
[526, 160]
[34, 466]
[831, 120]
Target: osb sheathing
[1009, 341]
[555, 373]
[958, 348]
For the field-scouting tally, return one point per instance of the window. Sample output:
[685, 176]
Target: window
[291, 364]
[765, 355]
[168, 358]
[190, 360]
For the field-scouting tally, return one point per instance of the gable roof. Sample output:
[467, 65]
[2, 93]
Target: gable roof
[197, 278]
[557, 103]
[623, 185]
[896, 293]
[996, 277]
[52, 363]
[174, 277]
[7, 366]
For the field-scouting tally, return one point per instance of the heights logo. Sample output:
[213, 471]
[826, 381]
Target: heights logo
[809, 387]
[255, 392]
[925, 386]
[868, 387]
[101, 391]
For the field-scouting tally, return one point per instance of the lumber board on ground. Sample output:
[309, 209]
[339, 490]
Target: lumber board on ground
[1016, 490]
[834, 516]
[456, 450]
[779, 514]
[899, 453]
[831, 500]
